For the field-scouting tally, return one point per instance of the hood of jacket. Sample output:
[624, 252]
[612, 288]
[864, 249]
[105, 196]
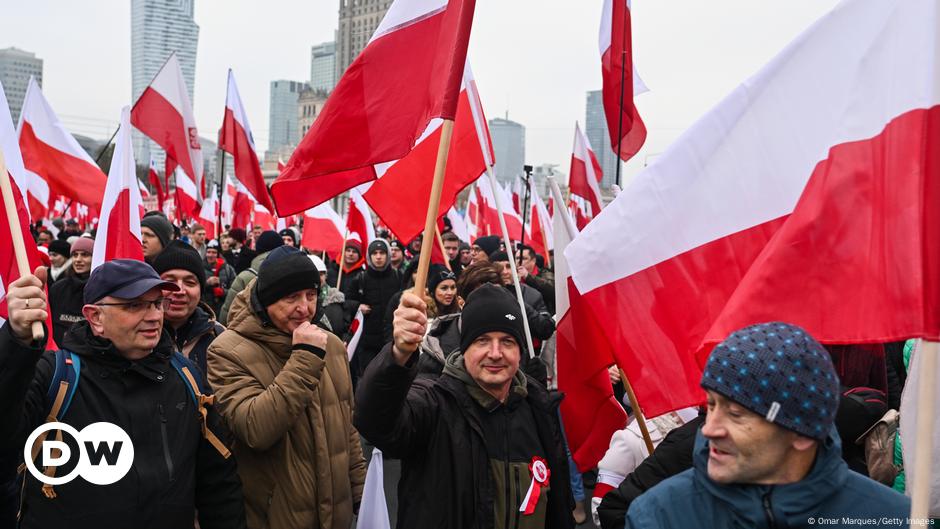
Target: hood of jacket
[379, 244]
[201, 321]
[455, 368]
[796, 502]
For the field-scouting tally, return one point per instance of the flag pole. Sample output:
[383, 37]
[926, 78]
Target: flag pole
[106, 145]
[512, 260]
[440, 242]
[16, 234]
[623, 77]
[342, 257]
[434, 204]
[637, 412]
[218, 231]
[525, 207]
[926, 386]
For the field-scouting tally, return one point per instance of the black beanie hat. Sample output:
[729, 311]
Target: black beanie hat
[60, 247]
[287, 232]
[267, 241]
[499, 257]
[490, 308]
[437, 274]
[489, 244]
[180, 256]
[160, 227]
[284, 271]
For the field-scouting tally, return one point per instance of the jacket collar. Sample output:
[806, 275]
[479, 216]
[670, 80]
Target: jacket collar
[454, 367]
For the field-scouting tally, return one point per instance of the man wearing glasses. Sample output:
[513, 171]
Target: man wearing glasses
[125, 378]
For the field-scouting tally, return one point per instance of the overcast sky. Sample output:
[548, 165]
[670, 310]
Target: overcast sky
[534, 59]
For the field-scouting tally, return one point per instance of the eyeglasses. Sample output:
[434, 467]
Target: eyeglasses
[140, 305]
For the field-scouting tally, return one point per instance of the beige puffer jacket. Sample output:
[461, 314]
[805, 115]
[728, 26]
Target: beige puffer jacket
[298, 453]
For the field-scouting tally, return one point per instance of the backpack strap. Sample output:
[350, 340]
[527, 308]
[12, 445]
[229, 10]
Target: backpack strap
[184, 367]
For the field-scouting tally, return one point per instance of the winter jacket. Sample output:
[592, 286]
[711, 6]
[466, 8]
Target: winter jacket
[66, 299]
[541, 322]
[829, 491]
[215, 296]
[239, 284]
[464, 461]
[442, 339]
[544, 282]
[194, 336]
[290, 410]
[672, 456]
[374, 288]
[175, 473]
[334, 308]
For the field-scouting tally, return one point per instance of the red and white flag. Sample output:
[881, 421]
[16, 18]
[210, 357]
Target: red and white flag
[489, 214]
[355, 332]
[236, 139]
[585, 175]
[819, 212]
[165, 114]
[263, 218]
[408, 181]
[458, 225]
[408, 74]
[208, 215]
[323, 230]
[187, 204]
[620, 80]
[590, 411]
[542, 234]
[53, 155]
[154, 178]
[359, 220]
[119, 223]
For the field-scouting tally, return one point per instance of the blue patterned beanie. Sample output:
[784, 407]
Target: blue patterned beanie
[780, 372]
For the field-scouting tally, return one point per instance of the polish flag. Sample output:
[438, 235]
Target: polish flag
[355, 333]
[474, 216]
[119, 225]
[228, 201]
[53, 155]
[585, 174]
[580, 210]
[164, 113]
[243, 208]
[819, 212]
[208, 215]
[263, 218]
[323, 230]
[155, 182]
[187, 205]
[542, 239]
[408, 181]
[490, 214]
[359, 219]
[408, 74]
[236, 139]
[590, 411]
[624, 124]
[458, 225]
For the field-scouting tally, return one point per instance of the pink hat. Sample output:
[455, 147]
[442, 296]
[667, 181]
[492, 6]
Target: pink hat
[83, 244]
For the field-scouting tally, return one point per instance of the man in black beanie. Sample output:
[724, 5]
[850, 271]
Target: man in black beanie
[483, 425]
[156, 233]
[282, 383]
[483, 247]
[267, 241]
[189, 321]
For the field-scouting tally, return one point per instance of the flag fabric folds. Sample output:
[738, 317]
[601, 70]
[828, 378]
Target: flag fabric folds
[620, 81]
[236, 139]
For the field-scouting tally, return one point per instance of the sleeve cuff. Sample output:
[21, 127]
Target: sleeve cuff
[320, 353]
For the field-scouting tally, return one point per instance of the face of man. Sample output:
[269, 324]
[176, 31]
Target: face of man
[379, 258]
[212, 255]
[150, 242]
[350, 256]
[133, 326]
[226, 243]
[465, 257]
[292, 310]
[81, 262]
[415, 245]
[184, 301]
[528, 260]
[288, 240]
[72, 228]
[44, 238]
[744, 447]
[445, 292]
[57, 259]
[505, 272]
[199, 237]
[492, 360]
[397, 256]
[450, 249]
[477, 255]
[257, 232]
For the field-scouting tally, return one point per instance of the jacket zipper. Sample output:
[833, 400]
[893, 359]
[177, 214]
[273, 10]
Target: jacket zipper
[166, 443]
[768, 510]
[518, 502]
[506, 468]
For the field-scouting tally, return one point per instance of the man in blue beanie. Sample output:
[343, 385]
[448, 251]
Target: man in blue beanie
[768, 454]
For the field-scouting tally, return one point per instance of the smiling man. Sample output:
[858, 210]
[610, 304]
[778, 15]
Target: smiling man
[768, 454]
[475, 440]
[283, 386]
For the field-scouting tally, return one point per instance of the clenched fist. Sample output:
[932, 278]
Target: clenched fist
[310, 334]
[409, 326]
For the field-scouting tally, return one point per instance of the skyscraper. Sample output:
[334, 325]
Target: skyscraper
[595, 128]
[508, 148]
[158, 28]
[323, 66]
[282, 122]
[358, 20]
[16, 67]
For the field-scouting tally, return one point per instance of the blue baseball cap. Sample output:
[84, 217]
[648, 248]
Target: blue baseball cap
[124, 279]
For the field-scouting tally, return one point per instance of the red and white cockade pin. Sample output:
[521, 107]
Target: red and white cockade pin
[540, 474]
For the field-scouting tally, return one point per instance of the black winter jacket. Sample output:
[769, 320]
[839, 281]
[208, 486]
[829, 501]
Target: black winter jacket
[66, 302]
[435, 427]
[374, 288]
[175, 471]
[194, 336]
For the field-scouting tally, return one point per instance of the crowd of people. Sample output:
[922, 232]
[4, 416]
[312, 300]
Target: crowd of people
[227, 362]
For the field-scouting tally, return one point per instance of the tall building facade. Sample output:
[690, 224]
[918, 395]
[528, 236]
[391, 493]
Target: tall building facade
[508, 148]
[282, 121]
[595, 128]
[16, 67]
[358, 20]
[159, 28]
[309, 104]
[323, 66]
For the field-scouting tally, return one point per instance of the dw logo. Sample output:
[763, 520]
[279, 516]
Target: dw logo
[105, 453]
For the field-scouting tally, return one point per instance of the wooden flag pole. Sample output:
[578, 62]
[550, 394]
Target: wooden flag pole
[434, 204]
[926, 386]
[637, 412]
[342, 257]
[16, 234]
[440, 242]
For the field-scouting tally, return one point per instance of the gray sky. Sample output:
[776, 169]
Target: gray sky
[534, 58]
